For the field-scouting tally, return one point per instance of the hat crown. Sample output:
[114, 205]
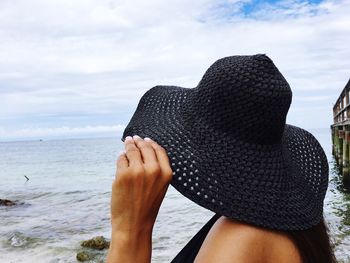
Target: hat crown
[244, 92]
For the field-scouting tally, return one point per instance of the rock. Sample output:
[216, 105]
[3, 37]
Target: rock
[83, 256]
[6, 202]
[98, 242]
[93, 249]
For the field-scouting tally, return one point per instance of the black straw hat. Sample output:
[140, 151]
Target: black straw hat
[230, 148]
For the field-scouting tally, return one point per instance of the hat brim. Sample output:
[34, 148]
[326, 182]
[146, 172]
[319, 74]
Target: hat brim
[275, 186]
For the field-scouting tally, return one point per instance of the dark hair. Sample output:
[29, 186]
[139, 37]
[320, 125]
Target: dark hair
[314, 244]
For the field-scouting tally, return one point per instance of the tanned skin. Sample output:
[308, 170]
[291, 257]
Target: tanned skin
[230, 241]
[142, 179]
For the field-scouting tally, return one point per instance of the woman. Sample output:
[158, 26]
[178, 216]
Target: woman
[224, 145]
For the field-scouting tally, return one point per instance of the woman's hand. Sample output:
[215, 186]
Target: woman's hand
[142, 178]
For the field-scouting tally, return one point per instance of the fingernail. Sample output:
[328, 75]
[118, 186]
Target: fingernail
[121, 152]
[136, 137]
[147, 139]
[128, 138]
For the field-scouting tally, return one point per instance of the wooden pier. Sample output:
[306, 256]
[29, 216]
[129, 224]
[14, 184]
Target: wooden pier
[341, 133]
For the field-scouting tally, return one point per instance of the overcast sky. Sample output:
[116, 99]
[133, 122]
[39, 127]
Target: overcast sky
[78, 68]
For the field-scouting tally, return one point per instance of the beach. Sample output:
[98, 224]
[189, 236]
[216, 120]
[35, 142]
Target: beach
[66, 201]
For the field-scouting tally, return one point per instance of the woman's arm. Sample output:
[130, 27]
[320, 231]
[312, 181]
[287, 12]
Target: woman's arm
[142, 179]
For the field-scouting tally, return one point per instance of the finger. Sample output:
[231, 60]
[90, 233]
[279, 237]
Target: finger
[122, 161]
[162, 158]
[147, 151]
[132, 152]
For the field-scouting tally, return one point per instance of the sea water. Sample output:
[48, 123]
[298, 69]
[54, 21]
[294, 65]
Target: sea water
[66, 201]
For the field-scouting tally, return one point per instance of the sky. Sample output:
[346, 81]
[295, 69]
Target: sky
[78, 68]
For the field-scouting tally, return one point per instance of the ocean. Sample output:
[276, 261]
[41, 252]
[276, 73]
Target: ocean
[66, 201]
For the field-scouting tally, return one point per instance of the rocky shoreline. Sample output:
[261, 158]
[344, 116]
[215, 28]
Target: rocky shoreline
[93, 249]
[6, 202]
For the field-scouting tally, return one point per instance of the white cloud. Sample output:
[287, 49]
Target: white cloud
[99, 57]
[311, 98]
[61, 132]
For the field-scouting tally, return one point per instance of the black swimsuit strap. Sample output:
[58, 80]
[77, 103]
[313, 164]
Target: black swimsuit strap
[189, 252]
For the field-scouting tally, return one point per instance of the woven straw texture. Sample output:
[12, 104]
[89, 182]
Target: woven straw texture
[230, 148]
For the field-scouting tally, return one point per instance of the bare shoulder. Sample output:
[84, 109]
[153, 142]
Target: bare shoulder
[232, 241]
